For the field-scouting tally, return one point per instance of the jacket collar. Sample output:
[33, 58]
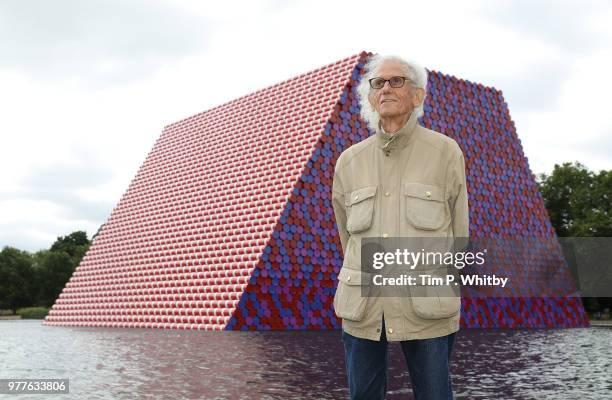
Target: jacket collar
[398, 140]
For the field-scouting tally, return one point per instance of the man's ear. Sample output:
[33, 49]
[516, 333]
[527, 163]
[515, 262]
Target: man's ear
[419, 96]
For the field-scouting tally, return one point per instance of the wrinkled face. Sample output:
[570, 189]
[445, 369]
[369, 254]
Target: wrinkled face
[394, 102]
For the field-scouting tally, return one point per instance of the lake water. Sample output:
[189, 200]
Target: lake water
[133, 363]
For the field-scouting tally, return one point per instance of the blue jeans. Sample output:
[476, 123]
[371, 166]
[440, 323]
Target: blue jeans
[427, 360]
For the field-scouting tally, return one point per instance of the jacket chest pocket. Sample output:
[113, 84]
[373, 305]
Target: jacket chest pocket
[425, 207]
[360, 208]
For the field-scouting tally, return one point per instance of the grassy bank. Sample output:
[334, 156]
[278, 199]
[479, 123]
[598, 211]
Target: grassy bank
[33, 312]
[25, 313]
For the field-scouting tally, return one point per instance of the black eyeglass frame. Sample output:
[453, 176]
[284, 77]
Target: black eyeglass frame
[404, 79]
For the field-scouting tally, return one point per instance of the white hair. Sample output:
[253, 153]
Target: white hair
[415, 72]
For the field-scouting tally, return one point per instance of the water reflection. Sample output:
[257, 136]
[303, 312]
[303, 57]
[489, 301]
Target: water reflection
[132, 363]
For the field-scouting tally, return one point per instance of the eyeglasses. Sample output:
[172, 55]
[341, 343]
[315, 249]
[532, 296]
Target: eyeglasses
[394, 82]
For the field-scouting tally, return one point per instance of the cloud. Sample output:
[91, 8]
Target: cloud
[23, 238]
[98, 42]
[562, 24]
[62, 184]
[66, 176]
[33, 224]
[69, 152]
[52, 200]
[537, 87]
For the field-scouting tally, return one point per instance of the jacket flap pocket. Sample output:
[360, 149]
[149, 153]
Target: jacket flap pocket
[359, 195]
[353, 276]
[423, 191]
[434, 302]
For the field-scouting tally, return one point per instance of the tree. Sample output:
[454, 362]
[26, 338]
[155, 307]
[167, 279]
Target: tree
[17, 283]
[53, 270]
[579, 205]
[71, 244]
[37, 280]
[578, 201]
[55, 266]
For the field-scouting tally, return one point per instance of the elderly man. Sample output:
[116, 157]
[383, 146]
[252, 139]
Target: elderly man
[403, 181]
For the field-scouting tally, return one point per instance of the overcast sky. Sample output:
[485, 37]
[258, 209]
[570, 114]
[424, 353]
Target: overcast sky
[86, 87]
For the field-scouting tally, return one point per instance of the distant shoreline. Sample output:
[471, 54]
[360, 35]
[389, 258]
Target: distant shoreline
[25, 313]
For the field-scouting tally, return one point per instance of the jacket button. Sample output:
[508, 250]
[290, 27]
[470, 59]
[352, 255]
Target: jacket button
[391, 330]
[428, 194]
[356, 197]
[348, 278]
[387, 194]
[385, 235]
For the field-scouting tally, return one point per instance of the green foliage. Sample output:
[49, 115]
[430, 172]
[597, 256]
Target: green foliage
[38, 279]
[579, 201]
[33, 312]
[72, 244]
[53, 269]
[17, 283]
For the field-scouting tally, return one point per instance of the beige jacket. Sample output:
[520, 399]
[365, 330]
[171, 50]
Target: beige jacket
[407, 184]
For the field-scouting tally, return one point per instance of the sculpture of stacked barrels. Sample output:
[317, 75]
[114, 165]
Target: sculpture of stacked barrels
[228, 224]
